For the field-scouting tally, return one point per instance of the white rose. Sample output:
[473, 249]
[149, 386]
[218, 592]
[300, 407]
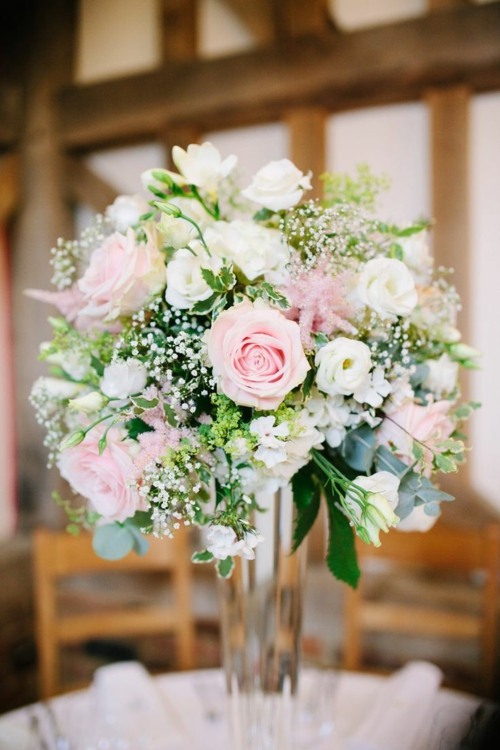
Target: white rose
[442, 375]
[185, 282]
[418, 520]
[125, 211]
[256, 250]
[387, 287]
[75, 363]
[278, 185]
[416, 254]
[202, 165]
[123, 379]
[343, 366]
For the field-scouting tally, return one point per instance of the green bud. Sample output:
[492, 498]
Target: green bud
[72, 440]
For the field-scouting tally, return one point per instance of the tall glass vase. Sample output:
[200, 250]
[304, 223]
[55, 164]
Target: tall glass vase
[261, 616]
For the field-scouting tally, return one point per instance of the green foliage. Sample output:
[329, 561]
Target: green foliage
[358, 448]
[306, 496]
[204, 556]
[267, 291]
[362, 190]
[136, 427]
[341, 557]
[225, 567]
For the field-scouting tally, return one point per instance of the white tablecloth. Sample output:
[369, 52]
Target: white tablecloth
[193, 706]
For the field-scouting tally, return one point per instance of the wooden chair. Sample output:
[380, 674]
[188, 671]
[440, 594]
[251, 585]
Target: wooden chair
[435, 610]
[59, 557]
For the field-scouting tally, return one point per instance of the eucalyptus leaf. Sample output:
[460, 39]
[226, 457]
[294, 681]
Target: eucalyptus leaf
[385, 460]
[358, 448]
[113, 541]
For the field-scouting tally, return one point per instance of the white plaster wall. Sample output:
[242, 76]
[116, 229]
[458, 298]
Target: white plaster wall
[485, 291]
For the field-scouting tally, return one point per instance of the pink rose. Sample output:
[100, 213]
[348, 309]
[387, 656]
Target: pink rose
[429, 424]
[106, 480]
[121, 277]
[257, 355]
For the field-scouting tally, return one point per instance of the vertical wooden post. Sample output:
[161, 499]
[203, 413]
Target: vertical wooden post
[44, 216]
[449, 110]
[180, 29]
[307, 142]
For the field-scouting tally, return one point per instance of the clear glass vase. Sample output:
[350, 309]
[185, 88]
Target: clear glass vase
[261, 617]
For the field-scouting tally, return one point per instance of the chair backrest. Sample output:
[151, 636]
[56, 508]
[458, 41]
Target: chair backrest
[58, 556]
[472, 553]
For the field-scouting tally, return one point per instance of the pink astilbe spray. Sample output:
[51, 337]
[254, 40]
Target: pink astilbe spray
[319, 303]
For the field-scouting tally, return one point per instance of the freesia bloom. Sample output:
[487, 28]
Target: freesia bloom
[105, 479]
[343, 366]
[278, 185]
[202, 165]
[256, 355]
[428, 424]
[272, 449]
[123, 378]
[121, 277]
[387, 287]
[125, 211]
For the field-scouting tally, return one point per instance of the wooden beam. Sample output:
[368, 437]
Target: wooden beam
[391, 63]
[84, 186]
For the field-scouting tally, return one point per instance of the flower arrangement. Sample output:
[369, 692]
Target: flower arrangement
[217, 344]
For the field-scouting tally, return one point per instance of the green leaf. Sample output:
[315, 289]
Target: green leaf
[102, 444]
[308, 383]
[141, 544]
[136, 427]
[444, 463]
[204, 556]
[206, 305]
[141, 520]
[306, 497]
[263, 214]
[113, 541]
[170, 415]
[97, 365]
[144, 403]
[225, 567]
[341, 555]
[358, 448]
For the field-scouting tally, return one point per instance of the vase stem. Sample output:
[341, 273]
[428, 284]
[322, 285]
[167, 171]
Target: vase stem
[261, 615]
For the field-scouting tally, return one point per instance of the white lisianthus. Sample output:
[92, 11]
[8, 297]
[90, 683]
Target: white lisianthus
[343, 366]
[202, 165]
[185, 282]
[271, 448]
[374, 389]
[386, 286]
[278, 185]
[418, 520]
[88, 404]
[416, 255]
[254, 249]
[125, 211]
[374, 513]
[442, 375]
[123, 379]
